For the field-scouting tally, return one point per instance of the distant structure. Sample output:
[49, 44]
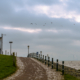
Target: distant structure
[1, 43]
[28, 50]
[5, 52]
[33, 54]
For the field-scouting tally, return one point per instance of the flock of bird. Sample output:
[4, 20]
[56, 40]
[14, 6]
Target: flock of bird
[44, 24]
[36, 24]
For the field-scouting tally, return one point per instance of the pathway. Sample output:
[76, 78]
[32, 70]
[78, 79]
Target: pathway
[31, 69]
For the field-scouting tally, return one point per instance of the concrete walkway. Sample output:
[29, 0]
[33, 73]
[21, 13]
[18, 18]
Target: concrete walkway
[31, 69]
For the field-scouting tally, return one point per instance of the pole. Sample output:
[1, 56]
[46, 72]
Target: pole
[10, 48]
[62, 67]
[48, 61]
[52, 63]
[57, 65]
[45, 60]
[28, 50]
[1, 43]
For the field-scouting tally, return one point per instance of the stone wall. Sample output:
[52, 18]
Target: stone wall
[68, 70]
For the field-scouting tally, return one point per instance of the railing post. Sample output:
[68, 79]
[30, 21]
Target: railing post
[13, 58]
[52, 63]
[57, 65]
[48, 61]
[45, 60]
[37, 56]
[62, 67]
[41, 57]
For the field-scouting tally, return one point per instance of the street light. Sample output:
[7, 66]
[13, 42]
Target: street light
[28, 50]
[10, 46]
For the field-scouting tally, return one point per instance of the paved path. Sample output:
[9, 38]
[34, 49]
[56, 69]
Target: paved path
[31, 69]
[52, 74]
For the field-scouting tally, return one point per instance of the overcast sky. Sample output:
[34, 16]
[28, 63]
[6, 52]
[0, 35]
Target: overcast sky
[50, 26]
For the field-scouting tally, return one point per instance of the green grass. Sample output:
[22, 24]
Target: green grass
[6, 66]
[69, 77]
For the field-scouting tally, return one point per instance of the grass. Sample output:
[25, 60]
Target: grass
[6, 66]
[69, 77]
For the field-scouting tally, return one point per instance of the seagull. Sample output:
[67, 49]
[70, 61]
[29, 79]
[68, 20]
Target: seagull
[32, 23]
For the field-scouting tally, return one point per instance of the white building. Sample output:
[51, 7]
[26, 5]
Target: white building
[0, 45]
[32, 55]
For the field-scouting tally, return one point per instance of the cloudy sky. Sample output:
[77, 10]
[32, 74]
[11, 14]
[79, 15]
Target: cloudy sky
[50, 26]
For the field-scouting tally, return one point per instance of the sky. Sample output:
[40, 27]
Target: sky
[50, 26]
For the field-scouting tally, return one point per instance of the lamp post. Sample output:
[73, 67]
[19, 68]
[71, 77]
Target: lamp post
[10, 46]
[28, 50]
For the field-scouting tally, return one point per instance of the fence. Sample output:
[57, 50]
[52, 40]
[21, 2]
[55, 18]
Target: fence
[57, 66]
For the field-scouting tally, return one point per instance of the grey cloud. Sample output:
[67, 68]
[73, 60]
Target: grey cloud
[48, 42]
[73, 5]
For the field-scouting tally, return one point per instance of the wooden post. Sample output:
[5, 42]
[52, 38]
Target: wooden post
[57, 65]
[52, 63]
[48, 61]
[62, 67]
[13, 58]
[45, 60]
[41, 58]
[37, 56]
